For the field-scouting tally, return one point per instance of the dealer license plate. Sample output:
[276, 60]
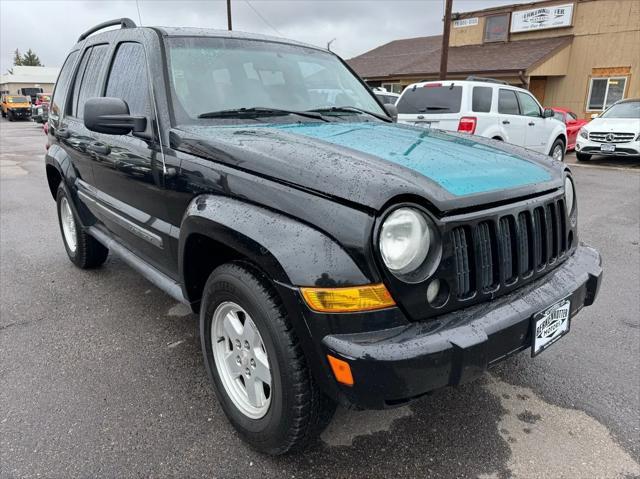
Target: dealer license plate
[550, 325]
[607, 147]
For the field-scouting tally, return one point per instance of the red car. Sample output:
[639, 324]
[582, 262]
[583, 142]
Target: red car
[573, 123]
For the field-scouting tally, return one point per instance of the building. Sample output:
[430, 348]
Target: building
[582, 55]
[28, 77]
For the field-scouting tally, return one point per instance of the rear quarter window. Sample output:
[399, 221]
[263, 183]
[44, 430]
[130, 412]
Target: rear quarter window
[481, 99]
[430, 99]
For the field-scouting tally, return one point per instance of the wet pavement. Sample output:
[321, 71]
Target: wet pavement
[101, 373]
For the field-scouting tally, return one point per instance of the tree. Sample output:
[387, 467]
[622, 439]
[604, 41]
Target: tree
[30, 59]
[17, 58]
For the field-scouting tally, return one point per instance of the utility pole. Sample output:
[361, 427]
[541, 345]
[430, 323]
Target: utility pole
[444, 52]
[229, 15]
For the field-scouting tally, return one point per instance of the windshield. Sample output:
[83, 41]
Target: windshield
[215, 74]
[431, 98]
[629, 109]
[18, 99]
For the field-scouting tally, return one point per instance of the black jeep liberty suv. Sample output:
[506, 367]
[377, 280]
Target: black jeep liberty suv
[333, 256]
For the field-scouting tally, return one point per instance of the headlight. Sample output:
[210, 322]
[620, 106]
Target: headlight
[583, 134]
[569, 194]
[404, 240]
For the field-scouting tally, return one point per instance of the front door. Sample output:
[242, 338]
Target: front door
[538, 129]
[128, 169]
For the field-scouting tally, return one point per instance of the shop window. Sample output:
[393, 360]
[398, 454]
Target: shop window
[604, 92]
[392, 87]
[496, 28]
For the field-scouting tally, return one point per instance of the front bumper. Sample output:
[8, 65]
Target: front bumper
[393, 366]
[20, 112]
[588, 147]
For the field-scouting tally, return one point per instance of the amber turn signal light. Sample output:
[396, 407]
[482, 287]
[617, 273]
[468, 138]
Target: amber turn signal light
[345, 300]
[341, 370]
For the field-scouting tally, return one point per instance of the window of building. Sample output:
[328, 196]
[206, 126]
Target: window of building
[496, 28]
[392, 87]
[507, 102]
[528, 105]
[128, 78]
[481, 99]
[604, 92]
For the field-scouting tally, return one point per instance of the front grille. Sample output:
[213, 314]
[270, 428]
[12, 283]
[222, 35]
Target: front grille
[508, 249]
[609, 137]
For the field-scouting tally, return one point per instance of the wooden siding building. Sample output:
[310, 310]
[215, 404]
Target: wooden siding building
[582, 55]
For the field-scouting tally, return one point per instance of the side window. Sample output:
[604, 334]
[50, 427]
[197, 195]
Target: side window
[70, 107]
[528, 105]
[90, 86]
[572, 116]
[481, 100]
[128, 78]
[62, 83]
[507, 102]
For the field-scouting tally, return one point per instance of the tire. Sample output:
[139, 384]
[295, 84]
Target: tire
[557, 150]
[297, 410]
[86, 252]
[582, 156]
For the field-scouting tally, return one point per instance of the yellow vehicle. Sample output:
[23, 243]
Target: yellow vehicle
[14, 106]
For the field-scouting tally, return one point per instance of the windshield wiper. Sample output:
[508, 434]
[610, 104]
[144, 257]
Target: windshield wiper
[259, 111]
[349, 109]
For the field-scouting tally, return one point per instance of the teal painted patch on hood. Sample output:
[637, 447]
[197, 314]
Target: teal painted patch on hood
[462, 166]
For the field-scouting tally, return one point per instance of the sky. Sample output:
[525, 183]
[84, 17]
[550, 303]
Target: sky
[50, 27]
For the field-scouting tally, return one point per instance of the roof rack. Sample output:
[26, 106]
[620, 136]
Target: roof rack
[487, 80]
[123, 22]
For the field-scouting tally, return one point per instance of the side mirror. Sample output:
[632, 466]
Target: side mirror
[392, 111]
[547, 113]
[111, 116]
[594, 116]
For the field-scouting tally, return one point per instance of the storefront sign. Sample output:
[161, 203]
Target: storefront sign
[465, 22]
[556, 16]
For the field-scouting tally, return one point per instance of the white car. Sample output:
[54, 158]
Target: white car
[615, 132]
[386, 97]
[484, 107]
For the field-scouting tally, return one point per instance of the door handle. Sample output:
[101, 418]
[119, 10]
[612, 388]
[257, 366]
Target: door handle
[99, 148]
[506, 122]
[532, 123]
[62, 133]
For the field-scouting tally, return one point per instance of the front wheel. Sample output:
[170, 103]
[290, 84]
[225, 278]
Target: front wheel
[557, 150]
[256, 364]
[582, 157]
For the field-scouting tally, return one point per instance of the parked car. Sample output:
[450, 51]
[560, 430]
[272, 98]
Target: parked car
[332, 255]
[15, 107]
[572, 122]
[386, 97]
[40, 109]
[484, 107]
[615, 132]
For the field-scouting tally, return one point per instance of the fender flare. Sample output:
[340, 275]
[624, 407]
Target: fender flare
[289, 251]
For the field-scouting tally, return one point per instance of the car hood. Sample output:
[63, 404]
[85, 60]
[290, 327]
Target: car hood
[372, 163]
[618, 125]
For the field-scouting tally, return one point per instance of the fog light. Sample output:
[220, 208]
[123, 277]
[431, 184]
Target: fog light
[433, 290]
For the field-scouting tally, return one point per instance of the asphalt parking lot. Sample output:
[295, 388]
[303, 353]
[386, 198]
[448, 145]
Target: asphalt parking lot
[101, 374]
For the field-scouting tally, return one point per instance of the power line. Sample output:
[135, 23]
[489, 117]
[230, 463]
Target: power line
[263, 19]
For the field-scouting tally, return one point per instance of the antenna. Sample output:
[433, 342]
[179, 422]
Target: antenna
[329, 43]
[139, 15]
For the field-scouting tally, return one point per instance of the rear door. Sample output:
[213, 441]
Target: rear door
[73, 135]
[537, 130]
[434, 105]
[509, 115]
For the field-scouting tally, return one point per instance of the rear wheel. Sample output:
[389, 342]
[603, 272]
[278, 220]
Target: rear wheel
[256, 364]
[557, 150]
[582, 156]
[83, 249]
